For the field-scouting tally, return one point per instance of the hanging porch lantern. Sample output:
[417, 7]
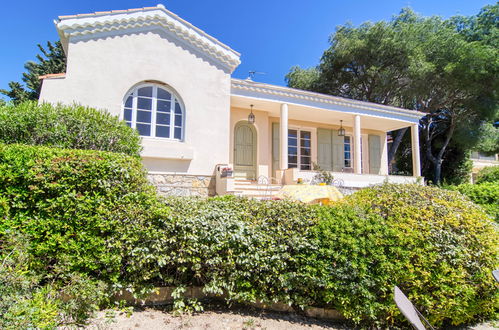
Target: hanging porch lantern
[251, 116]
[341, 131]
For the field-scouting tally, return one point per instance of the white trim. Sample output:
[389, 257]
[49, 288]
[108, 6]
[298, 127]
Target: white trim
[298, 130]
[246, 88]
[154, 107]
[113, 22]
[350, 151]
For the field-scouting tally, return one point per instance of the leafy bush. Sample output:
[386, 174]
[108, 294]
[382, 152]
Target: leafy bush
[70, 203]
[488, 174]
[93, 224]
[436, 245]
[485, 194]
[74, 127]
[29, 302]
[245, 248]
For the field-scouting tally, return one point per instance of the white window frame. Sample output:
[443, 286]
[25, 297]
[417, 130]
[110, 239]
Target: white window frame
[154, 100]
[350, 151]
[298, 147]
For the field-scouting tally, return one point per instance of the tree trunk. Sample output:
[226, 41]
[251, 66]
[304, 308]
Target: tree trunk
[437, 172]
[395, 146]
[437, 160]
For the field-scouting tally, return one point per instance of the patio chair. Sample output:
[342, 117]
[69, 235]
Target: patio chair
[495, 273]
[409, 311]
[264, 186]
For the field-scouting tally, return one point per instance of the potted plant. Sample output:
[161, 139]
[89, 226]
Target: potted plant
[226, 172]
[322, 177]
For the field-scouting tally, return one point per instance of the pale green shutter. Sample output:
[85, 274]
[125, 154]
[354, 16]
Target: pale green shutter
[374, 154]
[275, 148]
[324, 148]
[338, 151]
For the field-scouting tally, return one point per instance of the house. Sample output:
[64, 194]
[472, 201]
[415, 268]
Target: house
[172, 82]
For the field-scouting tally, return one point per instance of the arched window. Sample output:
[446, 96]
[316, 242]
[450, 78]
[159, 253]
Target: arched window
[154, 111]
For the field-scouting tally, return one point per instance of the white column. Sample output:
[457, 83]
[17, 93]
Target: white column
[283, 138]
[357, 161]
[384, 155]
[416, 162]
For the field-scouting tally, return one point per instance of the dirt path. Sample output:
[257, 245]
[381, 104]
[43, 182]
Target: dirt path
[213, 319]
[221, 319]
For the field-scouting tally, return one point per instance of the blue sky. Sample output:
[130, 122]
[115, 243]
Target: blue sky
[271, 35]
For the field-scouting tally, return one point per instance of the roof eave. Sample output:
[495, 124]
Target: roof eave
[254, 89]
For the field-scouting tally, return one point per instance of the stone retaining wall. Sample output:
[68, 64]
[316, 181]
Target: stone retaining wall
[163, 295]
[183, 185]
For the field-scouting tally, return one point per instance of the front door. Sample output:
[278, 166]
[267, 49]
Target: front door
[245, 151]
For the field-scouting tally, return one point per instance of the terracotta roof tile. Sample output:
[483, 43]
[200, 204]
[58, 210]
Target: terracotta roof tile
[97, 13]
[52, 75]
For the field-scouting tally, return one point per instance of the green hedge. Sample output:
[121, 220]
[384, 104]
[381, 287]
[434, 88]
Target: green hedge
[488, 174]
[74, 127]
[438, 247]
[90, 218]
[73, 205]
[485, 194]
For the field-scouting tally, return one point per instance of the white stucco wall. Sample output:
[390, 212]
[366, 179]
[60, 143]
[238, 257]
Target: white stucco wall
[101, 70]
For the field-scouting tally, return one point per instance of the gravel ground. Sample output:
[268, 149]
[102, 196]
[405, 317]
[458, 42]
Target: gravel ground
[213, 319]
[222, 319]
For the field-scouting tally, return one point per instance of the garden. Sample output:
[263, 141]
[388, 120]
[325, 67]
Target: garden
[80, 223]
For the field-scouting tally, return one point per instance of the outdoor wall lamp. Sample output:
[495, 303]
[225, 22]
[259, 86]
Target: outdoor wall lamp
[341, 131]
[251, 116]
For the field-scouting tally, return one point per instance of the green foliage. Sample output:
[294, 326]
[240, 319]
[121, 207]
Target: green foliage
[28, 301]
[482, 27]
[74, 127]
[92, 225]
[422, 63]
[71, 204]
[322, 176]
[488, 139]
[242, 247]
[435, 245]
[51, 60]
[485, 194]
[488, 174]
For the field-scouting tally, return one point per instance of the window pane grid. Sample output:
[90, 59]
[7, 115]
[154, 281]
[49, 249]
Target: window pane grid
[299, 149]
[347, 148]
[154, 112]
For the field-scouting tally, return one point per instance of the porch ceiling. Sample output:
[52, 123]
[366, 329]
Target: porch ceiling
[316, 107]
[319, 115]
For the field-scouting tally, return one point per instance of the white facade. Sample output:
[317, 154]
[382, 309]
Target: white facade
[109, 54]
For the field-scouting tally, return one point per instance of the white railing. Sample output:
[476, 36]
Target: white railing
[292, 175]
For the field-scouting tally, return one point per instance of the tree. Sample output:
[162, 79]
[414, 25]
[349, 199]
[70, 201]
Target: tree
[419, 63]
[488, 139]
[51, 60]
[368, 63]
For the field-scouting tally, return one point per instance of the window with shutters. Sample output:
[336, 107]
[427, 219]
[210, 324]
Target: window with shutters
[155, 111]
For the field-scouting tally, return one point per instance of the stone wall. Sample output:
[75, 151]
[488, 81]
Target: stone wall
[183, 185]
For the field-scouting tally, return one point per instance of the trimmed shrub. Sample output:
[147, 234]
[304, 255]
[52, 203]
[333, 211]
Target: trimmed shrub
[73, 127]
[436, 245]
[28, 301]
[73, 206]
[488, 174]
[248, 249]
[485, 194]
[92, 221]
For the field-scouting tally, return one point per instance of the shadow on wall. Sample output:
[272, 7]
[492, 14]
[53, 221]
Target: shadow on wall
[160, 32]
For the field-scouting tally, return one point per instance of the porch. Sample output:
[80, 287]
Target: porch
[294, 131]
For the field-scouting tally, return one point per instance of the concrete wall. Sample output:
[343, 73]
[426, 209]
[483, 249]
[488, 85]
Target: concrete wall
[102, 69]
